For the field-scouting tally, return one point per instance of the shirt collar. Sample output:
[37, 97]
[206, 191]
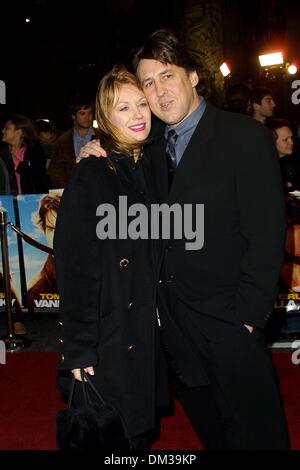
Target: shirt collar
[90, 133]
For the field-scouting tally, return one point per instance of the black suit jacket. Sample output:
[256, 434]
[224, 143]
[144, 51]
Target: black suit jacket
[231, 166]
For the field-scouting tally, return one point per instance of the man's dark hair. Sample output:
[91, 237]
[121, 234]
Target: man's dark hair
[257, 94]
[165, 47]
[80, 102]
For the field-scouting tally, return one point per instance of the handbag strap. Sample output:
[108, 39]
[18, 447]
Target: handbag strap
[85, 395]
[84, 375]
[84, 391]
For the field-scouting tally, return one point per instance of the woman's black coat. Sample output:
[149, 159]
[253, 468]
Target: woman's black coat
[107, 294]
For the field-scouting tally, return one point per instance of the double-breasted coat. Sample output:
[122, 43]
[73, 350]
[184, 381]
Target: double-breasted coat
[107, 293]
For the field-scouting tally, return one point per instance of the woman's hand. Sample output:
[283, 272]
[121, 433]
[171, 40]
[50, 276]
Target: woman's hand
[88, 370]
[91, 148]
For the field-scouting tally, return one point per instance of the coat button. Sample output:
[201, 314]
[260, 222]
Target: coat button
[62, 358]
[60, 340]
[171, 278]
[131, 348]
[60, 323]
[124, 263]
[130, 305]
[160, 281]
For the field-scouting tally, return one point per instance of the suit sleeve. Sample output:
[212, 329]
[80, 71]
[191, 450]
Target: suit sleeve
[262, 225]
[76, 251]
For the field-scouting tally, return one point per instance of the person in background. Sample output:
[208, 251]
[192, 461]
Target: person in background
[289, 162]
[24, 168]
[68, 145]
[47, 136]
[261, 104]
[23, 156]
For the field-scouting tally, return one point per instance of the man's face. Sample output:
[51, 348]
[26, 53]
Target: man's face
[169, 89]
[83, 118]
[284, 142]
[267, 106]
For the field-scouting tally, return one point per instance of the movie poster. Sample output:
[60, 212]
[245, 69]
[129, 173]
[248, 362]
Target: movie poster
[288, 299]
[38, 214]
[6, 204]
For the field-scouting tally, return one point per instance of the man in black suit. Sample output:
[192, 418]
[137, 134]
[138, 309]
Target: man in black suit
[214, 302]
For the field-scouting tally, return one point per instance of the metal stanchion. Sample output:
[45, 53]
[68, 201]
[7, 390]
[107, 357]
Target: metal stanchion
[13, 343]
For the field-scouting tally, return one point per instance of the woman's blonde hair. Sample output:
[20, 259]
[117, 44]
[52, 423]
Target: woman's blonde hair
[106, 99]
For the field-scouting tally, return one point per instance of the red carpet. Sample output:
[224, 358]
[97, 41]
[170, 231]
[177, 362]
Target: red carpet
[29, 402]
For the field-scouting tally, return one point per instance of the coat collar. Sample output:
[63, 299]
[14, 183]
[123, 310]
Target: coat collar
[122, 165]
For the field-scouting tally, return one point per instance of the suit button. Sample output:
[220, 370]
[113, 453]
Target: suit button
[124, 263]
[171, 278]
[130, 305]
[131, 348]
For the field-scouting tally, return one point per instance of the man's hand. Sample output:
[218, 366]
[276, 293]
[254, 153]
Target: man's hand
[250, 328]
[88, 370]
[91, 148]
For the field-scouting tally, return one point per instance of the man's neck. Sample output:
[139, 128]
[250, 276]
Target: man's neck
[82, 131]
[259, 118]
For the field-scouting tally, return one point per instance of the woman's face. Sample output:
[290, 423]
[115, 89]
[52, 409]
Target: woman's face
[132, 115]
[11, 135]
[284, 143]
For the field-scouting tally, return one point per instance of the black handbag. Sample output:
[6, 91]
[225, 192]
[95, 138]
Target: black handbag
[95, 425]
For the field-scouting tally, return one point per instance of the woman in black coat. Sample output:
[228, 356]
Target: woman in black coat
[107, 286]
[24, 157]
